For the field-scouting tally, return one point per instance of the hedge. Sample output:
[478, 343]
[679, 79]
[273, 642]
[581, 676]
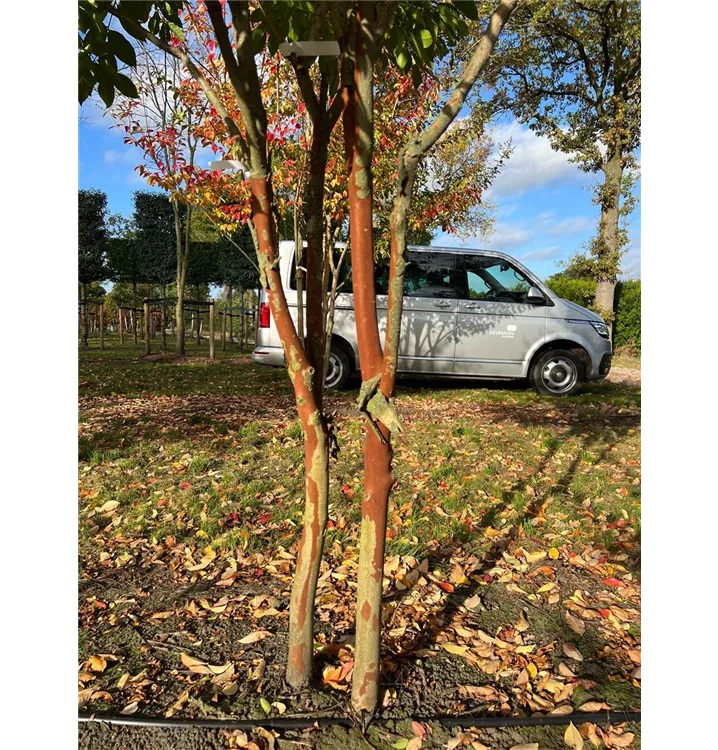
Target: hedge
[627, 305]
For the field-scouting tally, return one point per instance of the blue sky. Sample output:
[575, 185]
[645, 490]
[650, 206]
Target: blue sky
[543, 203]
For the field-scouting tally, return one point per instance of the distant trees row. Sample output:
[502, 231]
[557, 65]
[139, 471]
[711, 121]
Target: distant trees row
[142, 248]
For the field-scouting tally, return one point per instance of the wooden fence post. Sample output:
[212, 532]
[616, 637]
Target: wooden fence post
[223, 329]
[122, 332]
[163, 323]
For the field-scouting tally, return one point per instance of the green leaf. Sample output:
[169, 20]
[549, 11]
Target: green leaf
[177, 31]
[266, 705]
[107, 92]
[122, 48]
[258, 37]
[401, 744]
[402, 60]
[467, 9]
[125, 86]
[426, 39]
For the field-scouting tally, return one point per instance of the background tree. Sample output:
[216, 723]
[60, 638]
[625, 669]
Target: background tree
[154, 219]
[160, 123]
[91, 245]
[124, 261]
[572, 71]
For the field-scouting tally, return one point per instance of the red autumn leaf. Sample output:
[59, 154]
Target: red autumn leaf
[446, 586]
[418, 729]
[614, 582]
[185, 485]
[605, 612]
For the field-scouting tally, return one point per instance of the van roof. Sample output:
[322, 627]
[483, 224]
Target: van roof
[289, 244]
[458, 250]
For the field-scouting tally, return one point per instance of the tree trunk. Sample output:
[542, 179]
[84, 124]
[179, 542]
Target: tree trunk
[229, 300]
[85, 315]
[164, 317]
[376, 366]
[134, 312]
[359, 131]
[147, 324]
[181, 277]
[102, 325]
[211, 329]
[316, 286]
[298, 273]
[240, 328]
[607, 248]
[316, 443]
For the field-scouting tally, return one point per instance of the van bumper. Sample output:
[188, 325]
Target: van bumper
[272, 356]
[601, 363]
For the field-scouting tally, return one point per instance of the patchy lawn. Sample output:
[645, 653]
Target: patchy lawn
[512, 576]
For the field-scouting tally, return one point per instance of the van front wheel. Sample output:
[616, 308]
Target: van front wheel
[557, 373]
[339, 370]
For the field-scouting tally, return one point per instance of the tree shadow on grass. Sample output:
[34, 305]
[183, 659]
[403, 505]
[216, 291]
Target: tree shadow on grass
[500, 609]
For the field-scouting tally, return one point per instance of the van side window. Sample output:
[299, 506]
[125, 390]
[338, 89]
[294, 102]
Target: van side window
[430, 275]
[494, 280]
[344, 285]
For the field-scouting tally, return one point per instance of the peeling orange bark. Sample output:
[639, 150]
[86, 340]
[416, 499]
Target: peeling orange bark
[316, 444]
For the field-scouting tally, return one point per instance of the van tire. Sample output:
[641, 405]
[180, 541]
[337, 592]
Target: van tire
[557, 372]
[339, 370]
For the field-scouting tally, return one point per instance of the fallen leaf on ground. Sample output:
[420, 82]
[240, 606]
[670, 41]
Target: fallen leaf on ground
[257, 635]
[201, 667]
[593, 706]
[454, 648]
[572, 737]
[572, 652]
[613, 739]
[108, 507]
[578, 626]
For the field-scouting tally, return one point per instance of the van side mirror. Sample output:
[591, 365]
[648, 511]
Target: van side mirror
[534, 296]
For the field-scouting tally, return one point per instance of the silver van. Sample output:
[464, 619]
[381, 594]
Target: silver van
[467, 313]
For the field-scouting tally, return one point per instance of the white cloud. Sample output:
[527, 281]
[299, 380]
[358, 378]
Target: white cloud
[572, 225]
[507, 237]
[532, 163]
[546, 253]
[631, 264]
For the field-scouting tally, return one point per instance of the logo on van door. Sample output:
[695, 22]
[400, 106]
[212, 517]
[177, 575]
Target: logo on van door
[507, 334]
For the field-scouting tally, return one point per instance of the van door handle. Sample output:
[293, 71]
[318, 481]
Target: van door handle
[472, 306]
[442, 303]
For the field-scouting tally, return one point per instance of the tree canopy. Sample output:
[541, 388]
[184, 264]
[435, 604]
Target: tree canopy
[91, 235]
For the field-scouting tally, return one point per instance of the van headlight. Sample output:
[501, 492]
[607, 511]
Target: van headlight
[598, 325]
[601, 328]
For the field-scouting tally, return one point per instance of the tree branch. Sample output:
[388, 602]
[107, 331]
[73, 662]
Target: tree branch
[141, 33]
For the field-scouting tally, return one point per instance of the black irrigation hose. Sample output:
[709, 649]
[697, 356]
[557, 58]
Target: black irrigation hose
[603, 718]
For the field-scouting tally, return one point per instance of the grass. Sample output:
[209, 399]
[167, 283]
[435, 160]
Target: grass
[183, 446]
[187, 461]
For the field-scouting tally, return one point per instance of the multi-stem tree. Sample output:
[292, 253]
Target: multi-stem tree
[414, 35]
[572, 71]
